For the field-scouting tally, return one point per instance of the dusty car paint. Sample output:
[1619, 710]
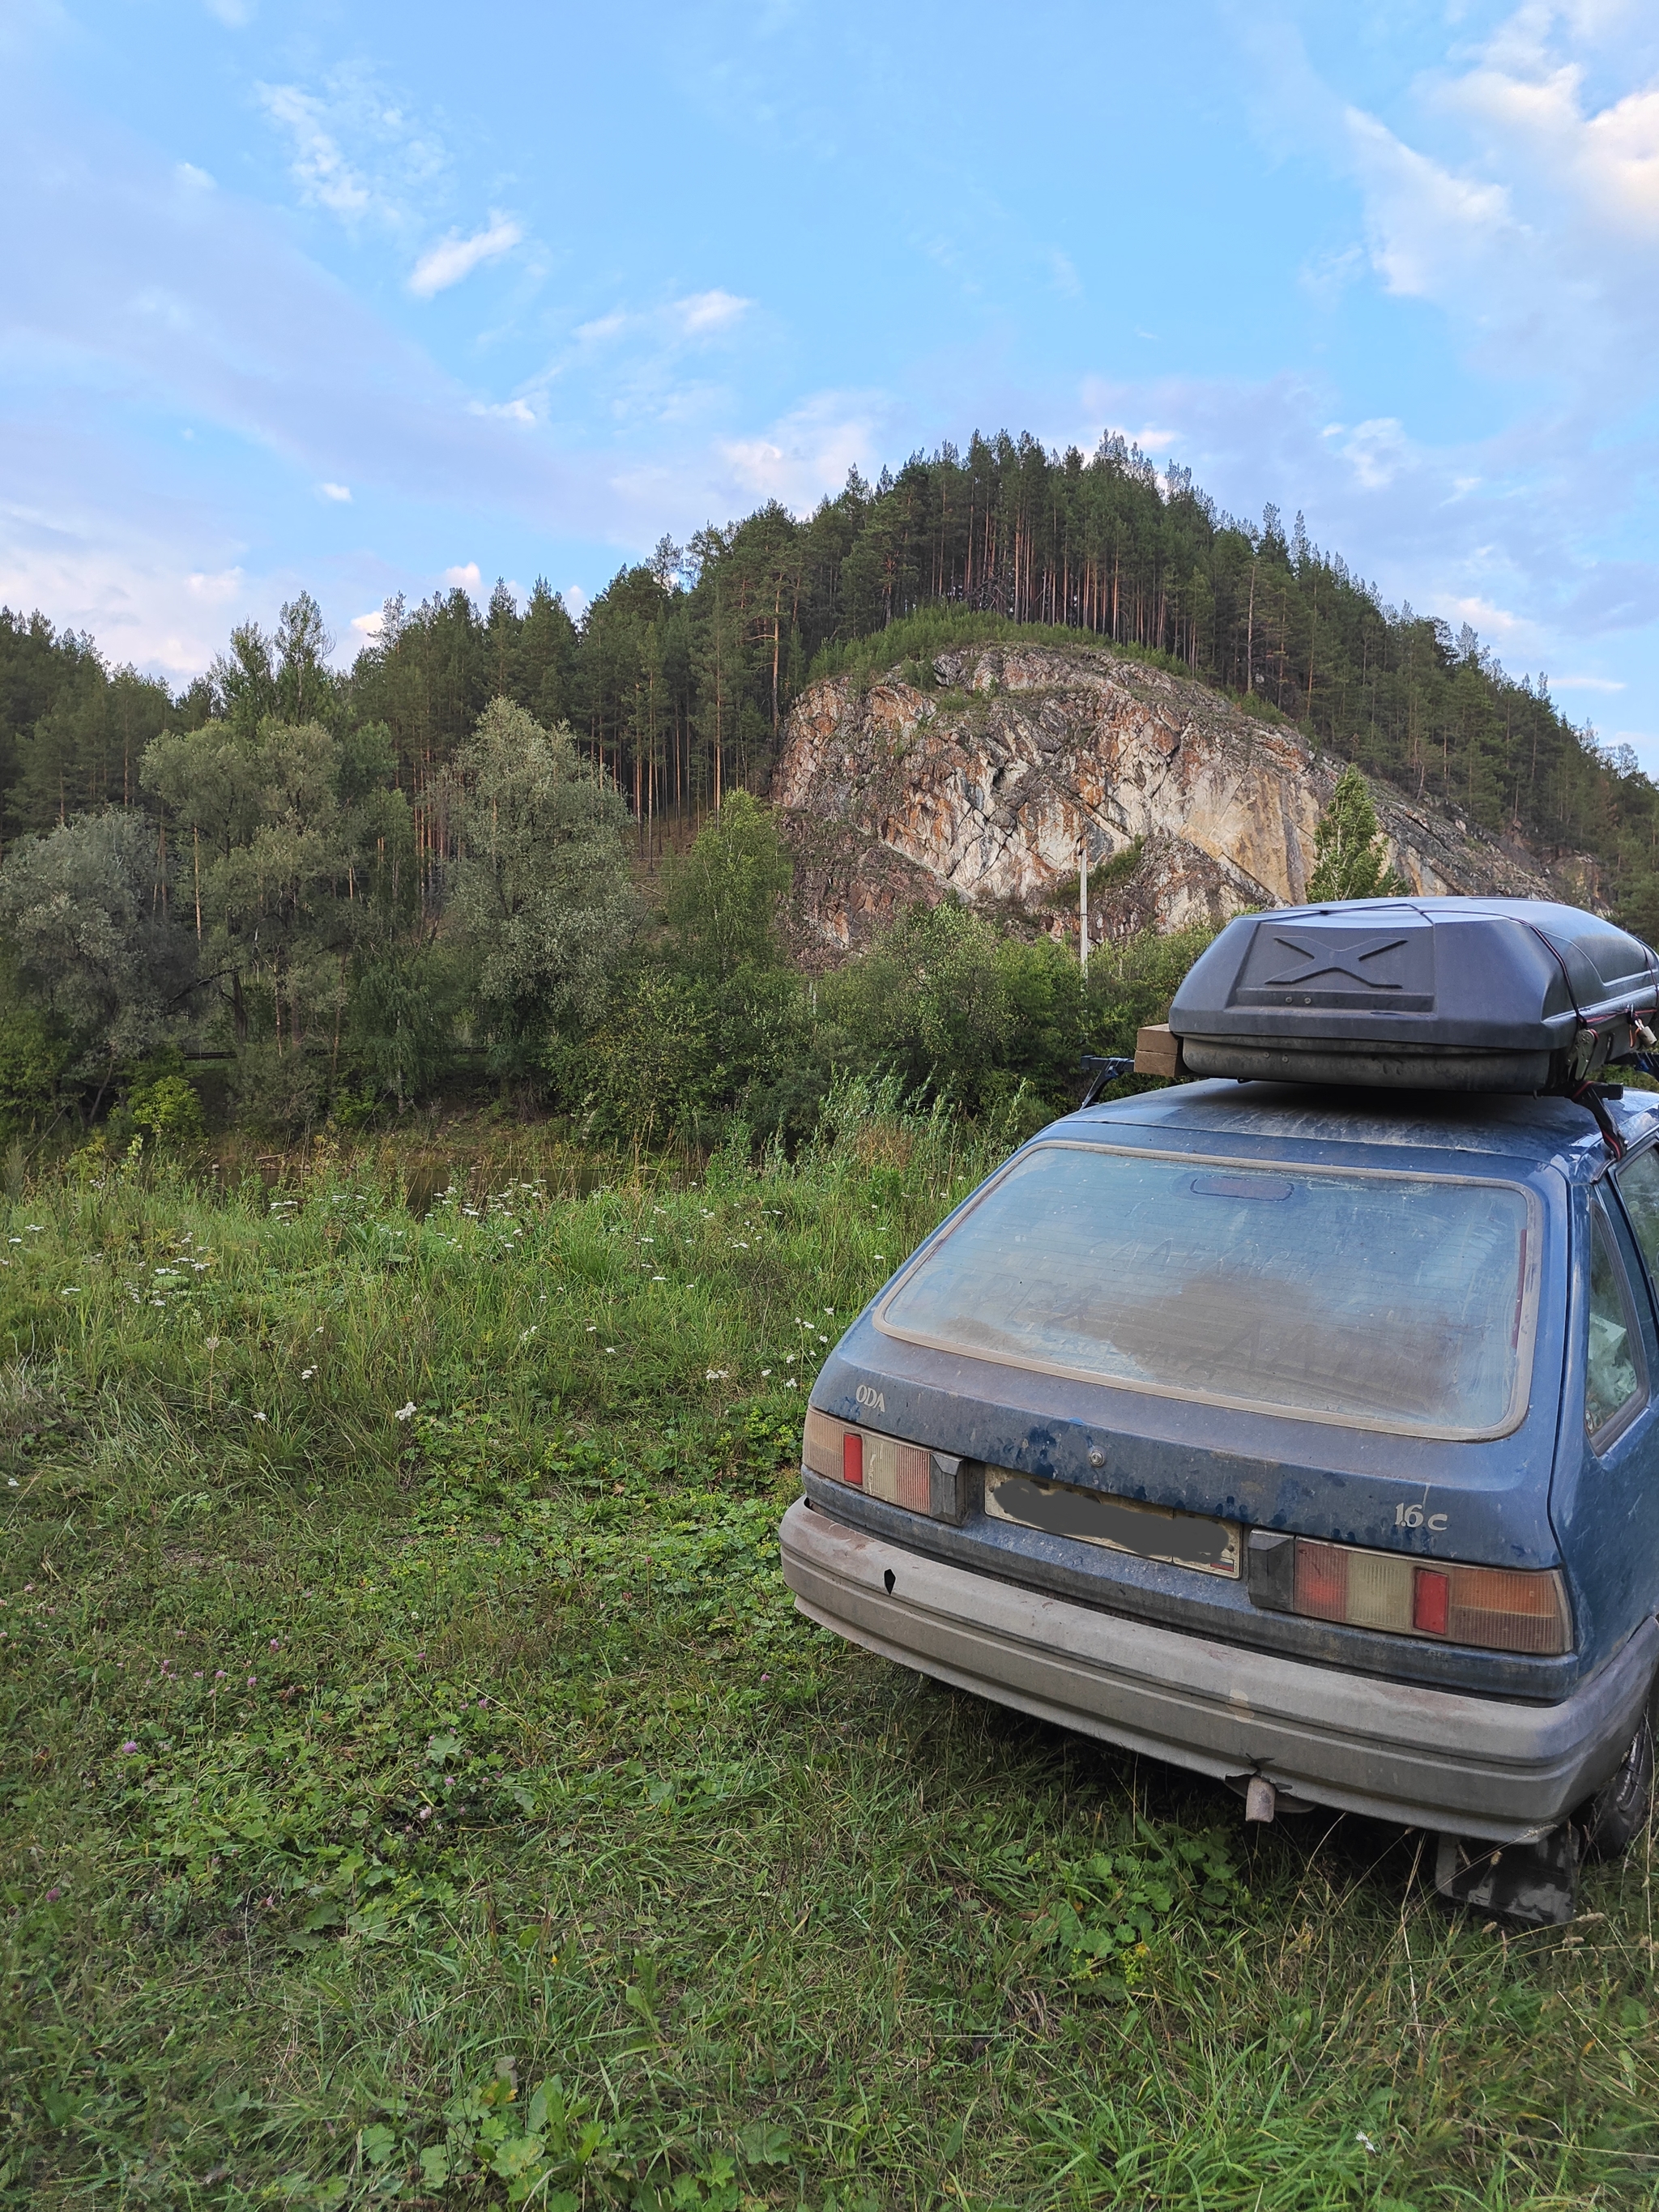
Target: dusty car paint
[1534, 1497]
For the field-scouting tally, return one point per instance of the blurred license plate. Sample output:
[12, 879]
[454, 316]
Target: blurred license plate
[1121, 1524]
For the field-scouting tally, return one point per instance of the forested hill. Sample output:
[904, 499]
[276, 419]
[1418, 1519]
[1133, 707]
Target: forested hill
[679, 674]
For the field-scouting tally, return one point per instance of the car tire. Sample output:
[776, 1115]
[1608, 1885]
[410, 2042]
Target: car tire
[1616, 1815]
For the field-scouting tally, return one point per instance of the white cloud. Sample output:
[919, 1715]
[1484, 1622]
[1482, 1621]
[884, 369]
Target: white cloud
[1586, 683]
[336, 491]
[369, 625]
[325, 177]
[86, 564]
[1426, 225]
[806, 454]
[1150, 437]
[464, 579]
[508, 410]
[197, 179]
[576, 601]
[215, 591]
[706, 311]
[1531, 215]
[1375, 451]
[455, 257]
[358, 151]
[235, 14]
[1482, 615]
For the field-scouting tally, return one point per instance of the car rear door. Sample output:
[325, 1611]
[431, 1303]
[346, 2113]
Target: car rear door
[1612, 1543]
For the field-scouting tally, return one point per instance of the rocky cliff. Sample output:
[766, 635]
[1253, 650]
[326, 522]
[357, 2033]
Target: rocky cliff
[984, 779]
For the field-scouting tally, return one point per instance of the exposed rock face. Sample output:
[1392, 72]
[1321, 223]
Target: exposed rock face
[987, 786]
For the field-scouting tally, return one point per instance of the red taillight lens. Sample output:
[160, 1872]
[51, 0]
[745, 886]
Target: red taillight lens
[1322, 1580]
[1494, 1608]
[1431, 1602]
[909, 1476]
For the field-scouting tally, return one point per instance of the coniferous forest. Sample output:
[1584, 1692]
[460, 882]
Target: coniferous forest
[336, 875]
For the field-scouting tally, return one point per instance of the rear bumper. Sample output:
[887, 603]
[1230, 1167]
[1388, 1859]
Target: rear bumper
[1431, 1759]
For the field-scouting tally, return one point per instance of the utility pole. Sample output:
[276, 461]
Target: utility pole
[1083, 904]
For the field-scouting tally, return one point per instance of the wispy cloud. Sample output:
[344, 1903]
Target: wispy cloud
[357, 150]
[1586, 683]
[1062, 273]
[340, 492]
[455, 257]
[1531, 214]
[465, 578]
[707, 312]
[806, 454]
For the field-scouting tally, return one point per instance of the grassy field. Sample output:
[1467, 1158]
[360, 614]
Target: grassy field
[416, 1786]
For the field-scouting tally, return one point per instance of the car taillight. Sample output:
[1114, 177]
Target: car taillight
[1495, 1608]
[909, 1476]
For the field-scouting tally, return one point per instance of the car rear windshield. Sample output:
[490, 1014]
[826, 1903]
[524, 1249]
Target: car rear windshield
[1379, 1300]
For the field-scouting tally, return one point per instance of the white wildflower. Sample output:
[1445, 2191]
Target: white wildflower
[405, 1413]
[305, 1374]
[715, 1375]
[258, 1417]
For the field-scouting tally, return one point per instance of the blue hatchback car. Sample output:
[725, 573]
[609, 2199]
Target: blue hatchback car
[1306, 1436]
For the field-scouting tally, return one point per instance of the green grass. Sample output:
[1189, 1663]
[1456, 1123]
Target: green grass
[453, 1810]
[913, 642]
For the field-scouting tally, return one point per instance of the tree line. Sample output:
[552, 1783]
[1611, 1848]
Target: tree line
[342, 878]
[679, 676]
[270, 915]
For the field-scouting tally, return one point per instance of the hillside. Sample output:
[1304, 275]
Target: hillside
[679, 677]
[981, 771]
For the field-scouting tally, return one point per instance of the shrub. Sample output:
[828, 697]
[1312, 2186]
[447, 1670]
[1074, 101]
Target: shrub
[167, 1108]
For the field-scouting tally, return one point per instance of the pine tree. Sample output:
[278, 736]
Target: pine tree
[1349, 861]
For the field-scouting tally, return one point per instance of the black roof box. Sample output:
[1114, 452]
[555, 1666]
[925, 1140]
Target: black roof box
[1433, 994]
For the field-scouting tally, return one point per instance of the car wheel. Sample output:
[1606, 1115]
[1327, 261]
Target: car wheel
[1616, 1815]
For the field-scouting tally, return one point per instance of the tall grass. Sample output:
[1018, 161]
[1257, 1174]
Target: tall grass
[417, 1788]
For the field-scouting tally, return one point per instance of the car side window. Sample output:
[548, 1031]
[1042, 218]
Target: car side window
[1638, 1186]
[1615, 1383]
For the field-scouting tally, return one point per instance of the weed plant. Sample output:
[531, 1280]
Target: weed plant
[418, 1789]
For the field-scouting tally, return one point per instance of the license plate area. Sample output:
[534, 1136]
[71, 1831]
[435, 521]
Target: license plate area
[1116, 1524]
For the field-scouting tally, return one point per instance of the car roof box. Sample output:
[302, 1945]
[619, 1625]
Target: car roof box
[1431, 993]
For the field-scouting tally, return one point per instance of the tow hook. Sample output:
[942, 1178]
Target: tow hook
[1260, 1799]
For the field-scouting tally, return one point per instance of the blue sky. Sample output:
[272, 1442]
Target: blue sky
[371, 298]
